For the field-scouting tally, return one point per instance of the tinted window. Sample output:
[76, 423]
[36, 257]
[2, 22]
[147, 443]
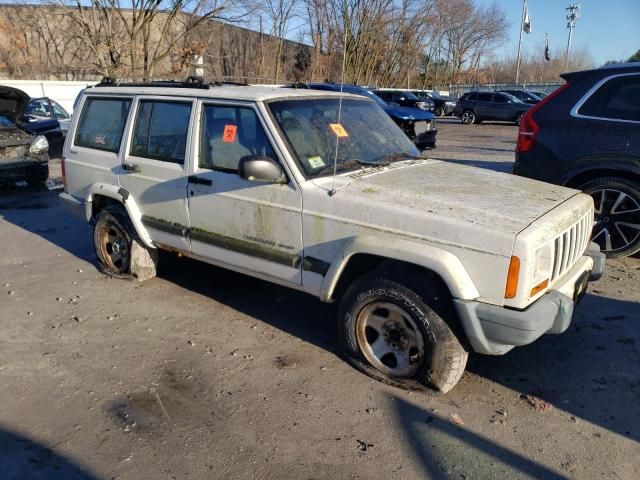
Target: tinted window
[470, 96]
[161, 129]
[484, 97]
[500, 98]
[39, 108]
[102, 123]
[618, 98]
[384, 95]
[229, 134]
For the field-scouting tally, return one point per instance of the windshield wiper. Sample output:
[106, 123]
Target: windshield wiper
[395, 157]
[351, 163]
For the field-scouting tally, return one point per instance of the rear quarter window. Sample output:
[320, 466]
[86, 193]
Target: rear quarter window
[102, 123]
[616, 99]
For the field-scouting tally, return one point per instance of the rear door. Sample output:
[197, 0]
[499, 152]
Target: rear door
[154, 169]
[484, 105]
[250, 226]
[502, 109]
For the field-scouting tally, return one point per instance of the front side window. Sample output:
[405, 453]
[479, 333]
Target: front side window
[228, 135]
[160, 131]
[365, 134]
[39, 108]
[617, 99]
[484, 97]
[102, 123]
[59, 111]
[500, 98]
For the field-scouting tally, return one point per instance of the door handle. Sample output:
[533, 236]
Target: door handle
[200, 180]
[131, 167]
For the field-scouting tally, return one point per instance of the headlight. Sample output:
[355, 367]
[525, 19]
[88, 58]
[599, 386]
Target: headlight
[39, 145]
[542, 269]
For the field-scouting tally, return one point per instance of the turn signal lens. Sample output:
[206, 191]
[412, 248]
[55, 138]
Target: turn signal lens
[538, 288]
[512, 278]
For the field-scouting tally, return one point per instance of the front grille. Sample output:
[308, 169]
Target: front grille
[570, 245]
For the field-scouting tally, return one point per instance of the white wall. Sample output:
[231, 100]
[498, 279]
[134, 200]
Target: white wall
[62, 92]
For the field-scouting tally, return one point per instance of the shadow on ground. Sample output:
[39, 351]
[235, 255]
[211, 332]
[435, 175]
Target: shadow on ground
[24, 459]
[443, 450]
[592, 371]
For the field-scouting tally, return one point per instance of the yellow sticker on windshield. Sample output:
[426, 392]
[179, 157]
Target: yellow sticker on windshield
[339, 130]
[316, 162]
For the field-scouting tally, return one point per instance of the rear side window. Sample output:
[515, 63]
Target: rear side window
[102, 123]
[160, 131]
[617, 99]
[500, 98]
[484, 97]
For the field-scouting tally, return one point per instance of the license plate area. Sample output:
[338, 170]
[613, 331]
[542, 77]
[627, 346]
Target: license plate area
[580, 287]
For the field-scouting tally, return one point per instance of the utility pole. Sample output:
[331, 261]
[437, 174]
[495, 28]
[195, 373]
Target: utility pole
[520, 41]
[572, 16]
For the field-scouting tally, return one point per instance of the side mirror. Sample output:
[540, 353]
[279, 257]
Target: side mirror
[262, 169]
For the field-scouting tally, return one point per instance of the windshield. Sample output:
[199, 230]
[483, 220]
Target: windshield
[364, 135]
[410, 96]
[513, 98]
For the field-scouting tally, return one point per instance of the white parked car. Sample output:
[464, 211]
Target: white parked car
[428, 259]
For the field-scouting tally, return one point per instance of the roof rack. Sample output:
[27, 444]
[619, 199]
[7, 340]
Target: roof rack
[189, 82]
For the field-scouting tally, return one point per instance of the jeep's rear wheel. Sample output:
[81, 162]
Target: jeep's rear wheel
[468, 117]
[617, 215]
[398, 329]
[120, 253]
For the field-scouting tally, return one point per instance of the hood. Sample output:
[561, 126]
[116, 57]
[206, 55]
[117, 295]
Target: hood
[443, 202]
[12, 102]
[408, 113]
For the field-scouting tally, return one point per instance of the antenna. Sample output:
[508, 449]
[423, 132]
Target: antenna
[333, 190]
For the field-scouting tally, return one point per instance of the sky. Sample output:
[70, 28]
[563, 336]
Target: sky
[609, 29]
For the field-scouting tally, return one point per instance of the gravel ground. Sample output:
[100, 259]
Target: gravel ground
[202, 373]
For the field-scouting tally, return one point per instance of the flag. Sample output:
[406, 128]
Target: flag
[547, 56]
[526, 22]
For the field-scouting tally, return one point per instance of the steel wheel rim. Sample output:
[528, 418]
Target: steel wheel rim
[617, 219]
[390, 339]
[466, 117]
[114, 247]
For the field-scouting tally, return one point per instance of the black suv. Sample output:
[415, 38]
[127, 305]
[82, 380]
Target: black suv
[441, 105]
[523, 95]
[405, 99]
[586, 135]
[474, 107]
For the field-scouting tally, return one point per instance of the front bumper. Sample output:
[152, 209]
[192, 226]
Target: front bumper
[494, 330]
[20, 169]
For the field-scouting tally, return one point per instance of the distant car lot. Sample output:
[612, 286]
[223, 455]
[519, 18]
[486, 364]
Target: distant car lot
[142, 379]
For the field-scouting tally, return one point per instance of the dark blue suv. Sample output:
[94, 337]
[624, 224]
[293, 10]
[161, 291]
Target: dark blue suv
[419, 125]
[586, 135]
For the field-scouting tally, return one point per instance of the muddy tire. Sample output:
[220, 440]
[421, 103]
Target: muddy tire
[118, 248]
[399, 328]
[438, 111]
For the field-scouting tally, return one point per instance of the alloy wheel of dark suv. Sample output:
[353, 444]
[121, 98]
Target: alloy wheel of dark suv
[585, 135]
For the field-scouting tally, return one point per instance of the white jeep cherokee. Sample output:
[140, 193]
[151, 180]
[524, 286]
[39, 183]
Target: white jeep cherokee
[322, 192]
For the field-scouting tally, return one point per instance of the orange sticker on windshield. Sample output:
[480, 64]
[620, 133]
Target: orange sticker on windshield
[229, 133]
[339, 130]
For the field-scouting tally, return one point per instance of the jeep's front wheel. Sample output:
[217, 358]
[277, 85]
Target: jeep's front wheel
[396, 328]
[120, 253]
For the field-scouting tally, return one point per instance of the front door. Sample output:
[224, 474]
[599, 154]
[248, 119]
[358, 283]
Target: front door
[154, 170]
[245, 225]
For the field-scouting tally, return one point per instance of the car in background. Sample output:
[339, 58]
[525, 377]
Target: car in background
[23, 155]
[441, 105]
[586, 135]
[44, 116]
[540, 94]
[475, 107]
[405, 99]
[523, 95]
[418, 125]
